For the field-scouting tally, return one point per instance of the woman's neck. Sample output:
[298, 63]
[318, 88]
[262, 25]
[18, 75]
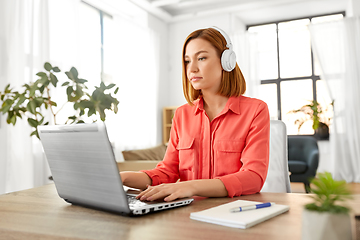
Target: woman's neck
[214, 104]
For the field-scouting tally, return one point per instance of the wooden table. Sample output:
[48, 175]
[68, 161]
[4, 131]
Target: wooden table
[40, 213]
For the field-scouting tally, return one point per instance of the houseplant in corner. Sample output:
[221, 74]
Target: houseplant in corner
[35, 102]
[316, 113]
[324, 219]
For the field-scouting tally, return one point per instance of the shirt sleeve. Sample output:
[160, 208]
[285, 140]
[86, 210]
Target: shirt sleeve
[167, 171]
[255, 157]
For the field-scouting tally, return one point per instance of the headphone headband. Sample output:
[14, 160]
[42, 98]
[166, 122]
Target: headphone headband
[227, 38]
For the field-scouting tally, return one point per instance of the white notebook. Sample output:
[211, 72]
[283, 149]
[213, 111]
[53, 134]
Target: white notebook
[221, 214]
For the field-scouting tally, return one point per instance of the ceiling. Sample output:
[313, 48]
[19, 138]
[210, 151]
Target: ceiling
[249, 11]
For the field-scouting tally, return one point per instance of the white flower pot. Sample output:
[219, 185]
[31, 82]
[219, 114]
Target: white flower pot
[325, 226]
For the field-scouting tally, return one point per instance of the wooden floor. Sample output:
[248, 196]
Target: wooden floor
[299, 188]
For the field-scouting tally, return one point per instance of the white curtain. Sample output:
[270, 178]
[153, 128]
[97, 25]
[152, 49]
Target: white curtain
[337, 46]
[23, 49]
[136, 54]
[245, 47]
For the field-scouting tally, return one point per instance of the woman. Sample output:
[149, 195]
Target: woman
[219, 141]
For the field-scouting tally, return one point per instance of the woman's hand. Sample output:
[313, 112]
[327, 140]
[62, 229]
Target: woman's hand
[172, 191]
[168, 191]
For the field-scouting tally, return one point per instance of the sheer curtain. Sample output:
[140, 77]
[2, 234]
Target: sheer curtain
[337, 46]
[23, 49]
[245, 47]
[135, 62]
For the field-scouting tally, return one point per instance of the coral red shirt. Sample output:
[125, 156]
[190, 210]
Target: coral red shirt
[233, 147]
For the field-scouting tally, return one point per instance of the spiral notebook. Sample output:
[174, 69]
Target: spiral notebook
[221, 214]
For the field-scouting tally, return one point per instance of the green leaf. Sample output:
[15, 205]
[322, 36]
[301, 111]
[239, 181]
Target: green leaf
[41, 121]
[65, 84]
[18, 114]
[32, 90]
[38, 101]
[22, 99]
[69, 91]
[35, 133]
[73, 118]
[5, 109]
[27, 86]
[53, 103]
[97, 94]
[110, 86]
[6, 106]
[31, 107]
[91, 111]
[42, 88]
[80, 80]
[116, 90]
[74, 73]
[327, 192]
[102, 114]
[86, 104]
[32, 122]
[42, 74]
[76, 105]
[56, 69]
[79, 92]
[69, 75]
[53, 79]
[13, 120]
[47, 66]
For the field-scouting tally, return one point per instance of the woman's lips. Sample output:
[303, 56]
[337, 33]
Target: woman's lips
[194, 79]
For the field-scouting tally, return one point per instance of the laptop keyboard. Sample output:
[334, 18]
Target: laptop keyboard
[133, 202]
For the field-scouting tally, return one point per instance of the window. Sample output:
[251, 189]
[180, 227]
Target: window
[289, 72]
[95, 37]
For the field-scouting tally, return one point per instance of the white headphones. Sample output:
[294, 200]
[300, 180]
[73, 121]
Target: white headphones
[228, 56]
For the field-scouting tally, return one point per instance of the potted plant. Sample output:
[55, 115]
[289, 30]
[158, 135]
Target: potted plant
[316, 113]
[35, 101]
[324, 218]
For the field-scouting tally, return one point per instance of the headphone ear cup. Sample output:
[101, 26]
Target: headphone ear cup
[228, 60]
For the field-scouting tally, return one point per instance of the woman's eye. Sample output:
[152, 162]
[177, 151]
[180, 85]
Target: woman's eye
[186, 61]
[202, 58]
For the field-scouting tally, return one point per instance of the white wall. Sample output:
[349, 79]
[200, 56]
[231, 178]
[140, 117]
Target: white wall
[353, 8]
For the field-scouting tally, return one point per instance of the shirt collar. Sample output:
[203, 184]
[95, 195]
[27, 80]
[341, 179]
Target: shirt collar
[199, 105]
[232, 104]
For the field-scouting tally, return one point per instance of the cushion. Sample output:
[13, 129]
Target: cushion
[154, 153]
[297, 166]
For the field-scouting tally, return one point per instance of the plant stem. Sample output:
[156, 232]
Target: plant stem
[50, 105]
[61, 108]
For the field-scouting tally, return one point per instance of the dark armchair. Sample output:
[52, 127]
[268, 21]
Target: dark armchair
[303, 160]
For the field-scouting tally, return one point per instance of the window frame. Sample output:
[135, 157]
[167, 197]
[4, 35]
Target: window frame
[278, 80]
[101, 19]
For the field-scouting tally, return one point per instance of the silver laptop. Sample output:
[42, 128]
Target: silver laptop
[85, 172]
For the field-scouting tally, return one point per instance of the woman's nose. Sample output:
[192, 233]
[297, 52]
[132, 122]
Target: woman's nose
[193, 67]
